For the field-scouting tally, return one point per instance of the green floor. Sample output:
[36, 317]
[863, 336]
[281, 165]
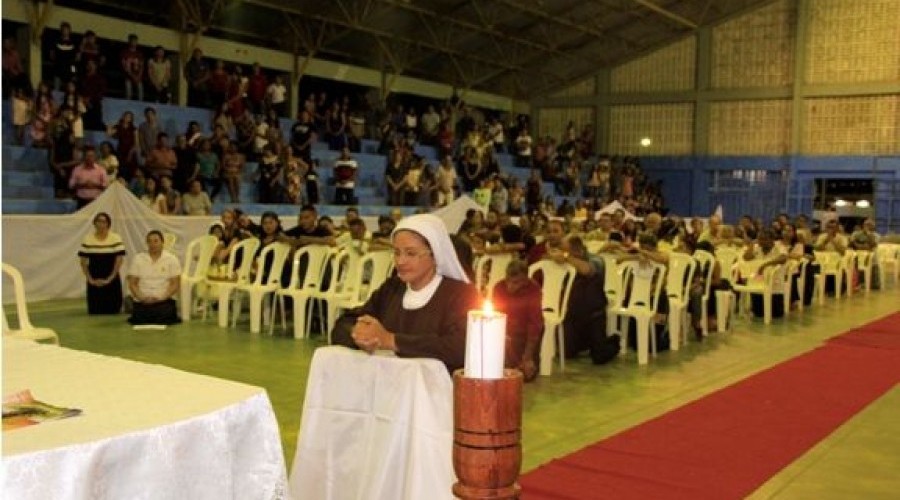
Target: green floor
[564, 412]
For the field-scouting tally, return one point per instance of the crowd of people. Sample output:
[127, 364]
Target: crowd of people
[419, 310]
[245, 128]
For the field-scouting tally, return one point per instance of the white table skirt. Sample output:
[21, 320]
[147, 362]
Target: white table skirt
[146, 432]
[374, 427]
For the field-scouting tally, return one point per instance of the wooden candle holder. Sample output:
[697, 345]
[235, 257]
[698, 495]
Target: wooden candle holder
[487, 423]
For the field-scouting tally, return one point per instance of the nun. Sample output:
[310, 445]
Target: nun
[420, 312]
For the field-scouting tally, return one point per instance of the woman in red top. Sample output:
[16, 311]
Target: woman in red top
[520, 298]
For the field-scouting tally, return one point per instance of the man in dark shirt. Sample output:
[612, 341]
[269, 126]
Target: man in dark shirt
[62, 54]
[196, 72]
[302, 136]
[307, 231]
[93, 88]
[132, 60]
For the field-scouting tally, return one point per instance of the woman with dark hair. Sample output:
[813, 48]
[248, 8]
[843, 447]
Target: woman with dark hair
[126, 135]
[101, 256]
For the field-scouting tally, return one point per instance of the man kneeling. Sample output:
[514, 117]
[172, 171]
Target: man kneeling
[153, 280]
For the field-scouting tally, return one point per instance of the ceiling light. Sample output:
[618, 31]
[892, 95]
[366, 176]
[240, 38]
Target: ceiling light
[646, 142]
[863, 204]
[840, 203]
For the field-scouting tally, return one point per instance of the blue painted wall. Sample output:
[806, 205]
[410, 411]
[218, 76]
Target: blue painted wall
[763, 186]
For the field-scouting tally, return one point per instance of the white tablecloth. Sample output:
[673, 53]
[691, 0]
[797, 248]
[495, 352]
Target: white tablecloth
[374, 427]
[146, 432]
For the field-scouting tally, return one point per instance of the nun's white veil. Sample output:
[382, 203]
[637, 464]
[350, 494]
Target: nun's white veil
[434, 231]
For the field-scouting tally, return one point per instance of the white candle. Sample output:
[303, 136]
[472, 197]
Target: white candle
[485, 343]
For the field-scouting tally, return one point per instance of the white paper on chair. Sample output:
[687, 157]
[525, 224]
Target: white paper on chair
[149, 327]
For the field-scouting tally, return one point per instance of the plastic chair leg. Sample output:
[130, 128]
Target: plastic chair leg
[255, 312]
[547, 343]
[675, 329]
[301, 322]
[704, 323]
[723, 311]
[224, 299]
[643, 338]
[561, 348]
[185, 300]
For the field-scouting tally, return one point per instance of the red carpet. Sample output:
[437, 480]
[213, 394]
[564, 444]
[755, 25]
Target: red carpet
[727, 444]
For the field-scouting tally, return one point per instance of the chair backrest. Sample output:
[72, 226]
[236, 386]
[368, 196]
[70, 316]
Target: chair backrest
[646, 282]
[612, 279]
[727, 257]
[21, 304]
[279, 253]
[169, 241]
[198, 256]
[246, 249]
[706, 263]
[829, 262]
[887, 252]
[680, 275]
[556, 286]
[356, 287]
[382, 264]
[340, 261]
[864, 259]
[309, 265]
[594, 246]
[490, 271]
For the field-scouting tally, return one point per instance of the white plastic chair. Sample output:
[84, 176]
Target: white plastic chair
[775, 280]
[301, 287]
[197, 259]
[613, 286]
[864, 264]
[848, 267]
[706, 262]
[237, 274]
[888, 256]
[678, 288]
[830, 264]
[645, 282]
[25, 330]
[259, 289]
[169, 241]
[555, 289]
[357, 291]
[490, 271]
[728, 257]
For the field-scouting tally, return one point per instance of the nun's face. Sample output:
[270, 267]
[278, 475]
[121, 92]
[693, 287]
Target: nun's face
[413, 259]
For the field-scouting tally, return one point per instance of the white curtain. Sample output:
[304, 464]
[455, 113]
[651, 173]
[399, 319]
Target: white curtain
[45, 247]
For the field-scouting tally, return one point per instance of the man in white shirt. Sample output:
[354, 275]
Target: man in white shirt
[446, 182]
[276, 94]
[523, 149]
[153, 281]
[831, 240]
[430, 122]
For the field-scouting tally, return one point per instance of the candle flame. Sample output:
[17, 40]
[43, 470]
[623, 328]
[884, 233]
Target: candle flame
[488, 307]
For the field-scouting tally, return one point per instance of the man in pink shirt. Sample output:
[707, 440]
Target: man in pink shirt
[88, 179]
[162, 159]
